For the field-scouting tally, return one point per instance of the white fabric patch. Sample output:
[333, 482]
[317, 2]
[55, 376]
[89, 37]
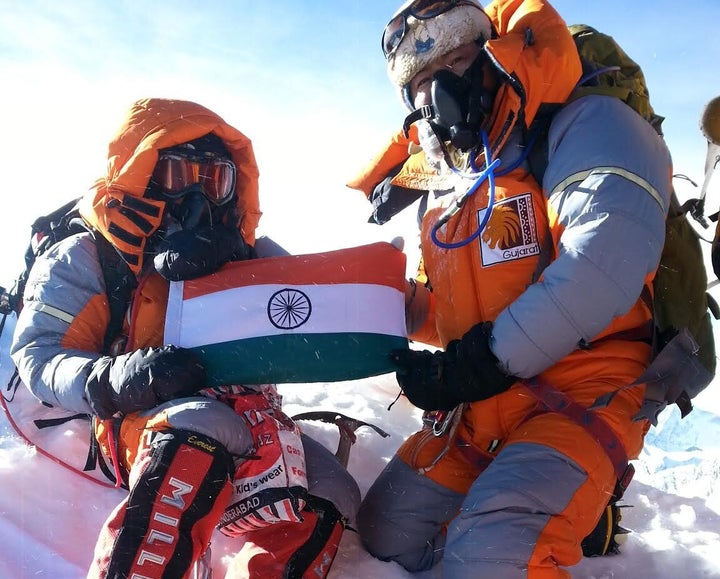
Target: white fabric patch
[510, 233]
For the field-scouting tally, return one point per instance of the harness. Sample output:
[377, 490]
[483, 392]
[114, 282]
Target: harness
[550, 399]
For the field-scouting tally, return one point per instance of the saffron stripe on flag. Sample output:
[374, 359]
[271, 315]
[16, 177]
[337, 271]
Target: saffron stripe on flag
[376, 263]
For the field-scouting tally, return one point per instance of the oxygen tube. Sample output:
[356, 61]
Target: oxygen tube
[487, 173]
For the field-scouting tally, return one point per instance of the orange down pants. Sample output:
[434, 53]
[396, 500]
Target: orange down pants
[510, 496]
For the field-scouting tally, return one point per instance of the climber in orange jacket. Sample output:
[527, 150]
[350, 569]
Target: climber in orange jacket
[533, 292]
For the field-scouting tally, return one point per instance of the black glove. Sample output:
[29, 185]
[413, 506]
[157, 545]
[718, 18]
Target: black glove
[467, 371]
[188, 254]
[142, 379]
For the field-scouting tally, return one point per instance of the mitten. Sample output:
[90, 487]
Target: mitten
[188, 254]
[467, 371]
[142, 379]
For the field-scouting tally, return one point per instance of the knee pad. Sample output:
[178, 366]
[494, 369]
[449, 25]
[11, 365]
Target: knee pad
[177, 494]
[207, 416]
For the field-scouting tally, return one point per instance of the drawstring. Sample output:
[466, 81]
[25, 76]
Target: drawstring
[114, 457]
[596, 73]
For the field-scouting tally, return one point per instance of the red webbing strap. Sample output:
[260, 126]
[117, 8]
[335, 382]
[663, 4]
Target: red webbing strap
[556, 401]
[550, 399]
[472, 454]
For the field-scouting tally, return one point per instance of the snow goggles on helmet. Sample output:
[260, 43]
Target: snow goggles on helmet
[175, 172]
[421, 10]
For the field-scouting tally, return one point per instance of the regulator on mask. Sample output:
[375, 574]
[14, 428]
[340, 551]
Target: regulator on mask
[458, 109]
[190, 210]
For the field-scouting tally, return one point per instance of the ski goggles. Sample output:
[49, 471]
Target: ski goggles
[397, 28]
[175, 173]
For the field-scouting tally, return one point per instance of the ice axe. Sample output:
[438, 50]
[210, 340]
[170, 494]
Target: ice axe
[347, 427]
[710, 127]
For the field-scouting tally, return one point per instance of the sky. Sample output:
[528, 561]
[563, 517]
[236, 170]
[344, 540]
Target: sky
[305, 80]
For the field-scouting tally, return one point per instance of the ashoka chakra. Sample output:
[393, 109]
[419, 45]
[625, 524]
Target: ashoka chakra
[289, 308]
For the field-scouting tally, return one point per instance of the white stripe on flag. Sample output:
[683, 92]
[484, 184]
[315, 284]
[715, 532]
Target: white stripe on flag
[241, 313]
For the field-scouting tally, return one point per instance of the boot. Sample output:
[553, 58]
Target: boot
[608, 535]
[292, 550]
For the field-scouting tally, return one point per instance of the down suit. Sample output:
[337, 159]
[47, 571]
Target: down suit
[513, 485]
[177, 453]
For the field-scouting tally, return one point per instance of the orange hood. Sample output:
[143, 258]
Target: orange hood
[535, 55]
[116, 205]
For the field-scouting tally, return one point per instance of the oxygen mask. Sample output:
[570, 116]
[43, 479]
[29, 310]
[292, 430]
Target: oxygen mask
[449, 127]
[189, 211]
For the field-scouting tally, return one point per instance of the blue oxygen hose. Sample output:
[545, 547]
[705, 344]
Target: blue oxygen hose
[487, 173]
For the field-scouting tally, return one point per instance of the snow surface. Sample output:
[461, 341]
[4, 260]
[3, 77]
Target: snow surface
[50, 516]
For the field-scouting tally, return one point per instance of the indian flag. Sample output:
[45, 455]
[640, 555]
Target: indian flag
[321, 317]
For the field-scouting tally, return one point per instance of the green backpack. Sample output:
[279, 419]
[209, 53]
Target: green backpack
[683, 335]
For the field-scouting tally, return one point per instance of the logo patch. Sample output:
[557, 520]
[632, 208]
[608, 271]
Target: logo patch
[510, 233]
[423, 41]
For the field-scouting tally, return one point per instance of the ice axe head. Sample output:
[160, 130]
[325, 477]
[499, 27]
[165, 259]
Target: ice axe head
[710, 121]
[710, 127]
[347, 427]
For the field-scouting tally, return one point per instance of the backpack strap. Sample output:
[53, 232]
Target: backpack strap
[94, 458]
[537, 138]
[120, 283]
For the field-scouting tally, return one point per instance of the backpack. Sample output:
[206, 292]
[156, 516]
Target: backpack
[681, 305]
[46, 231]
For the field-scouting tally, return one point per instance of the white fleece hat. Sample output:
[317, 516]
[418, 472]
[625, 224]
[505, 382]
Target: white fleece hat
[426, 40]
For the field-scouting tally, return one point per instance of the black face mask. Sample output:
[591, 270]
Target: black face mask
[460, 105]
[190, 210]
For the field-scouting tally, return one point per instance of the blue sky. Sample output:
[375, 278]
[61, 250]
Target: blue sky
[304, 79]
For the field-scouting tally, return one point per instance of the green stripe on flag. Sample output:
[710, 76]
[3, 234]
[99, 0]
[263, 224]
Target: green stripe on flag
[296, 358]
